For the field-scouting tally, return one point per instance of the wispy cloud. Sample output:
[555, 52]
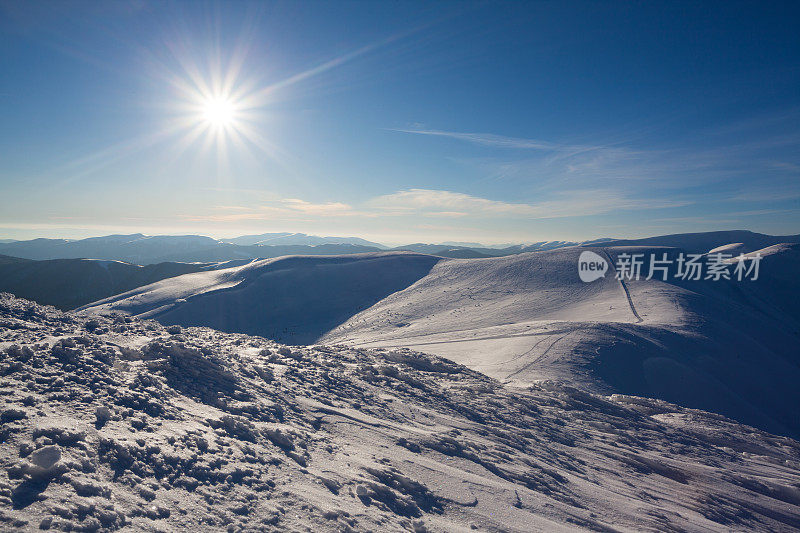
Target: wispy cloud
[557, 165]
[728, 217]
[488, 139]
[231, 208]
[766, 196]
[564, 204]
[551, 166]
[319, 209]
[293, 209]
[434, 204]
[556, 151]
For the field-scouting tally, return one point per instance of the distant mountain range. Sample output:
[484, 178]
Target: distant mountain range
[743, 241]
[293, 239]
[145, 250]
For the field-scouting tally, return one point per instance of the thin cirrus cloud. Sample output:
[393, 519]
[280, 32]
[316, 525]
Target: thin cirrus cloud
[553, 166]
[488, 139]
[563, 204]
[432, 203]
[293, 209]
[322, 209]
[559, 150]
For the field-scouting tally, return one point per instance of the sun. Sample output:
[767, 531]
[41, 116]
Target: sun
[219, 112]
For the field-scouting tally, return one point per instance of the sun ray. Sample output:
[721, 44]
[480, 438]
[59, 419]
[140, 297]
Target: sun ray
[217, 110]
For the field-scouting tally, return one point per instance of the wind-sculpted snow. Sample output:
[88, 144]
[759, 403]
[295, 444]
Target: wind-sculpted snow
[110, 422]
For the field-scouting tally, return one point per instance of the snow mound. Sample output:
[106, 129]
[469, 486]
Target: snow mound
[732, 248]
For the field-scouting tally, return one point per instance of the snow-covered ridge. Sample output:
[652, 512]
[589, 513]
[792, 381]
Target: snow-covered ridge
[112, 423]
[299, 298]
[725, 346]
[70, 283]
[722, 346]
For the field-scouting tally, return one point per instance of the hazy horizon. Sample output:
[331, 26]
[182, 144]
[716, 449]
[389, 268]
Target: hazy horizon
[77, 236]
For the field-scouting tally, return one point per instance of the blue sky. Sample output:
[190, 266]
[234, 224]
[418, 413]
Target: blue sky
[399, 121]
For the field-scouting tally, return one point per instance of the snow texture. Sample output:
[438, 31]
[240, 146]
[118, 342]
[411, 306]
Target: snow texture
[116, 423]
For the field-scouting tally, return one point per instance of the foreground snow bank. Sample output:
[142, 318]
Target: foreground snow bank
[111, 422]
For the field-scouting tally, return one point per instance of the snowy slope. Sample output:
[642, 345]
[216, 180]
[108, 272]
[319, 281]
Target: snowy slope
[119, 424]
[70, 283]
[293, 298]
[722, 346]
[747, 241]
[726, 347]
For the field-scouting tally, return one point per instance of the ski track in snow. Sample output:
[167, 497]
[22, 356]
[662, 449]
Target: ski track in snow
[538, 357]
[624, 287]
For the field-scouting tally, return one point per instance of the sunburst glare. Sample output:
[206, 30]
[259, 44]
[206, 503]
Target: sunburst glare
[220, 105]
[218, 108]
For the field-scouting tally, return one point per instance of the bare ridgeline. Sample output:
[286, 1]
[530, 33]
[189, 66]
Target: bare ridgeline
[611, 403]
